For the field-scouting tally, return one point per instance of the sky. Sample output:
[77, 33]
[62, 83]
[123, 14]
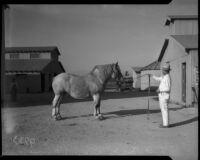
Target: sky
[89, 35]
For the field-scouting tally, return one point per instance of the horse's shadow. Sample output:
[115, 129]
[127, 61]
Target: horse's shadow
[129, 112]
[122, 113]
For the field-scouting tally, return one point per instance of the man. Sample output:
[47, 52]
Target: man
[164, 93]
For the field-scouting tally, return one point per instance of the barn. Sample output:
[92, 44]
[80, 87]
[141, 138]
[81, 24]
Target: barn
[33, 68]
[182, 54]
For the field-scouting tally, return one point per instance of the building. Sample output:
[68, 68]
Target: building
[153, 69]
[33, 68]
[136, 77]
[182, 54]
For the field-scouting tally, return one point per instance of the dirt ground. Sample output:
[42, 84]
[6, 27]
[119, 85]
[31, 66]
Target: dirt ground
[28, 129]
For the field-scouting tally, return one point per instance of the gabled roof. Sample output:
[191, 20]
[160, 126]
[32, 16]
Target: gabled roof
[162, 52]
[189, 42]
[153, 66]
[137, 69]
[31, 49]
[34, 65]
[172, 18]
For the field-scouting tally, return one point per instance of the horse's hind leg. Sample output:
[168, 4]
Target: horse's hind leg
[58, 116]
[56, 105]
[55, 102]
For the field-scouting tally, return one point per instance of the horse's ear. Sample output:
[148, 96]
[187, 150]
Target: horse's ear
[116, 64]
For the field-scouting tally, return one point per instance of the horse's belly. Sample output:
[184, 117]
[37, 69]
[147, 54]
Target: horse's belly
[79, 90]
[79, 94]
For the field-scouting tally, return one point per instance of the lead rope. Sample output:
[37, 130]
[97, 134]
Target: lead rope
[148, 111]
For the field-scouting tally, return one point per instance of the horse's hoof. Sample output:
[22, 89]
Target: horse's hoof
[54, 118]
[96, 117]
[58, 117]
[100, 117]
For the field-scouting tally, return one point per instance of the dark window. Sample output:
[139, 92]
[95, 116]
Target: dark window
[34, 55]
[14, 55]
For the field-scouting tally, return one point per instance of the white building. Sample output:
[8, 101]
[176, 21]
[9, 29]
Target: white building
[182, 54]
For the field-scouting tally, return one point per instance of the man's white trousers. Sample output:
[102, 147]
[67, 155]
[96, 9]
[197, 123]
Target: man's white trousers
[164, 100]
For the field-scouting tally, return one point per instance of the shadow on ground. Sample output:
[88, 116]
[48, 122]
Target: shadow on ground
[121, 113]
[24, 100]
[184, 122]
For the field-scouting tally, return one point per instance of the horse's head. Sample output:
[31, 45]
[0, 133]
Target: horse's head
[117, 75]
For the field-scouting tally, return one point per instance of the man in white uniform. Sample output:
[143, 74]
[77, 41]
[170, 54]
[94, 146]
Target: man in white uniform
[164, 93]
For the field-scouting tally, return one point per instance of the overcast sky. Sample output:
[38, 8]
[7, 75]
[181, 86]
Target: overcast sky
[87, 35]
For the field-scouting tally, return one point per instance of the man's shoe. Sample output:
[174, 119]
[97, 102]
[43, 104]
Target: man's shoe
[161, 126]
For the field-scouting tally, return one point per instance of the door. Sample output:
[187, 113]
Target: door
[184, 82]
[42, 82]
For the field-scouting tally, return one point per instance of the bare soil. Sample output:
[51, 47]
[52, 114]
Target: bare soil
[27, 127]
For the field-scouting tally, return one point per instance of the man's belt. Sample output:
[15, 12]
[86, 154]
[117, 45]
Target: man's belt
[163, 92]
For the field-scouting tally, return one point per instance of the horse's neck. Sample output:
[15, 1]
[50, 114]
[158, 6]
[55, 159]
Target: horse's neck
[103, 73]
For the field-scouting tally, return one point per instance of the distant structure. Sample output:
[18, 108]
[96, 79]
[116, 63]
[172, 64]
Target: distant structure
[33, 68]
[182, 54]
[153, 68]
[136, 77]
[142, 80]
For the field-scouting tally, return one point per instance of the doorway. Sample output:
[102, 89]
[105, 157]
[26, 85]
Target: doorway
[184, 82]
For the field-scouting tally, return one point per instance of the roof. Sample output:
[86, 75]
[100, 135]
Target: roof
[171, 18]
[25, 65]
[31, 49]
[137, 69]
[189, 42]
[162, 52]
[153, 66]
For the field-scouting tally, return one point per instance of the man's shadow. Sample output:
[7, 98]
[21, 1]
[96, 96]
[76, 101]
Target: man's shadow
[184, 122]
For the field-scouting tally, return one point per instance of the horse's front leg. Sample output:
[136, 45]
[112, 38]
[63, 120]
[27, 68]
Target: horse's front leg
[96, 101]
[97, 113]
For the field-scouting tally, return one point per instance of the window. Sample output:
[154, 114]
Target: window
[34, 55]
[14, 55]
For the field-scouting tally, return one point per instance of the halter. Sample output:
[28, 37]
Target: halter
[116, 72]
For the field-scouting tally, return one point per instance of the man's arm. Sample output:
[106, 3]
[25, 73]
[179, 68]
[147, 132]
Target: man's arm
[157, 78]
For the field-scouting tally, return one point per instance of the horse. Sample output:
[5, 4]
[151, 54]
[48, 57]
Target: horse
[81, 87]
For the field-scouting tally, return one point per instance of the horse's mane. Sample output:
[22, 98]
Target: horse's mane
[105, 67]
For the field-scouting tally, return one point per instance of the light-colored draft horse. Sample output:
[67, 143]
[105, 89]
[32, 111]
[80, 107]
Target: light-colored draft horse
[81, 87]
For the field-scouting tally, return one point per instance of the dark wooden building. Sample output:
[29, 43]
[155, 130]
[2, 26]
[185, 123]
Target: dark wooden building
[33, 68]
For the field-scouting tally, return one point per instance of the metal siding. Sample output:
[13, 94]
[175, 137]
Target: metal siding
[194, 64]
[184, 27]
[174, 54]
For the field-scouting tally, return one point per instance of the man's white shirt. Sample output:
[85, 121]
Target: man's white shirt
[165, 82]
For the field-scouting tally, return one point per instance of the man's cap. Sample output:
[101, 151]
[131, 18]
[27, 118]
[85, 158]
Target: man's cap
[166, 67]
